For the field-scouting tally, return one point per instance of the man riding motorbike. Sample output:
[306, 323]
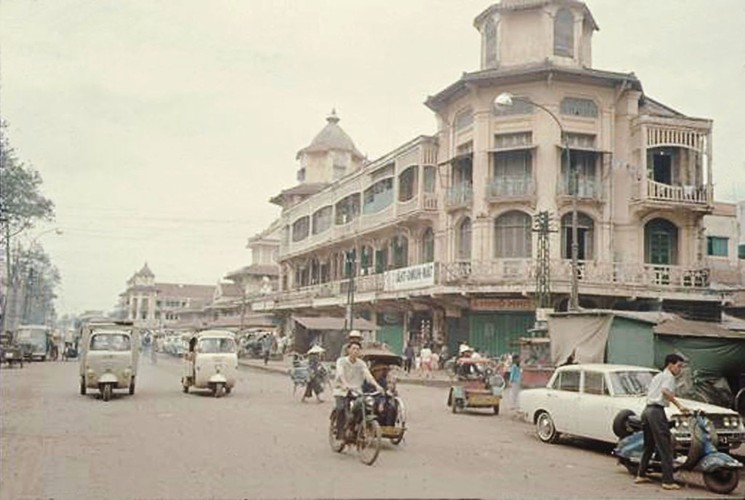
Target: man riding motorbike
[351, 372]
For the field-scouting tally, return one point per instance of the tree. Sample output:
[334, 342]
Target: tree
[21, 201]
[36, 279]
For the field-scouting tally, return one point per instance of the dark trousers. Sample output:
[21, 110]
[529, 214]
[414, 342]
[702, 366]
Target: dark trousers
[341, 415]
[407, 364]
[657, 435]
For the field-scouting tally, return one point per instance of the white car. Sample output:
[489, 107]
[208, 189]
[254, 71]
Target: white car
[595, 400]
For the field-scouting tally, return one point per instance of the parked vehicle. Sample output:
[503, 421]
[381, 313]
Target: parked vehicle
[211, 362]
[10, 352]
[720, 471]
[109, 358]
[596, 401]
[477, 386]
[362, 429]
[36, 341]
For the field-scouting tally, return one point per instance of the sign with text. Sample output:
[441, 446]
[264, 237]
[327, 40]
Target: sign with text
[501, 304]
[418, 276]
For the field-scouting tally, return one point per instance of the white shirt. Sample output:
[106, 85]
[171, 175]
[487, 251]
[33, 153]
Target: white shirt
[663, 380]
[351, 375]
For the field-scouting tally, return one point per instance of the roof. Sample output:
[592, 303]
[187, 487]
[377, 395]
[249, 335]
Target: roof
[649, 106]
[652, 317]
[515, 5]
[181, 290]
[687, 328]
[305, 189]
[332, 323]
[604, 367]
[230, 290]
[145, 271]
[530, 72]
[255, 270]
[331, 137]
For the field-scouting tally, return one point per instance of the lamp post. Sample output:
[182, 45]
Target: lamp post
[505, 100]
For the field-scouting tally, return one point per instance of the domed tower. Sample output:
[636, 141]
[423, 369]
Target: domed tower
[525, 32]
[330, 156]
[143, 278]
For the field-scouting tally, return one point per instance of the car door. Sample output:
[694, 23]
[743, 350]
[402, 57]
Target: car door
[595, 409]
[564, 399]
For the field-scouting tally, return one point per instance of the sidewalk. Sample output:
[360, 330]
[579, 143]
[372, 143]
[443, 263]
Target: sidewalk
[437, 378]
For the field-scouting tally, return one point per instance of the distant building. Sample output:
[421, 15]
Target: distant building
[156, 305]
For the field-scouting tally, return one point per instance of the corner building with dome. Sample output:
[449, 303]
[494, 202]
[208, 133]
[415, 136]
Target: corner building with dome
[438, 237]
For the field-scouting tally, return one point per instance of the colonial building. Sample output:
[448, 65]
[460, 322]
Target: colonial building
[157, 305]
[459, 236]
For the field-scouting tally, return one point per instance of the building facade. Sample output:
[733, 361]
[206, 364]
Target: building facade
[461, 235]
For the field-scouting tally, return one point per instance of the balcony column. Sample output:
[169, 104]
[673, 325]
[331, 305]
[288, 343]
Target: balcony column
[481, 175]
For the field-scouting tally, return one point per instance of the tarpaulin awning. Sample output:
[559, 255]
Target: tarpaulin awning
[579, 337]
[332, 323]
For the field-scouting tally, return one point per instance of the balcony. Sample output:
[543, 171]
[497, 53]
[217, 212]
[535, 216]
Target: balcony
[511, 189]
[653, 191]
[587, 189]
[459, 196]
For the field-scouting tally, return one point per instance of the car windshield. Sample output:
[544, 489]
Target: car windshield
[36, 338]
[110, 342]
[216, 345]
[631, 382]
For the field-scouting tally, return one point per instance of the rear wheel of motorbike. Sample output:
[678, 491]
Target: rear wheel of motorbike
[337, 445]
[631, 467]
[368, 441]
[82, 385]
[106, 392]
[620, 424]
[545, 428]
[722, 481]
[132, 386]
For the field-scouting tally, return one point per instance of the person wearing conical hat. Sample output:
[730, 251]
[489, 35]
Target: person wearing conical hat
[316, 373]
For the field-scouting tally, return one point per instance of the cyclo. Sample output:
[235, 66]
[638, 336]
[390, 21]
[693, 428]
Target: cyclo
[211, 362]
[389, 408]
[478, 385]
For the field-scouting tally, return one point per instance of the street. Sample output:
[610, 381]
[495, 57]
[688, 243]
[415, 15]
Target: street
[260, 442]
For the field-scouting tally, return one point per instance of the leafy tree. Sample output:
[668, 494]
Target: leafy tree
[21, 201]
[37, 278]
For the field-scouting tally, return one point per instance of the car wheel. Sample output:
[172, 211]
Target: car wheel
[620, 424]
[545, 428]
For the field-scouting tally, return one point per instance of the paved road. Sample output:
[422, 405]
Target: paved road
[259, 442]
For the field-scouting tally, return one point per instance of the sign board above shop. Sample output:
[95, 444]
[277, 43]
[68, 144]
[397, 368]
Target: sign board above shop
[501, 304]
[407, 278]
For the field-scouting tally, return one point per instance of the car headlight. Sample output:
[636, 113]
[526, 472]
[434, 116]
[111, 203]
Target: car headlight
[681, 422]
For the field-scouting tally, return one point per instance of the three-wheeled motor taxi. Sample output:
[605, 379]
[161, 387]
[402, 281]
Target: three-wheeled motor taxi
[211, 362]
[109, 357]
[389, 409]
[477, 385]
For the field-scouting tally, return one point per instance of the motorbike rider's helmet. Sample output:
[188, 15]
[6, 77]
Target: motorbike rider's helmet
[354, 335]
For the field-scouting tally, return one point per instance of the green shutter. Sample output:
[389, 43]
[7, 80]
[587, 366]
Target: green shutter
[499, 333]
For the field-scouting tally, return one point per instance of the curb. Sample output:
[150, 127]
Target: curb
[283, 371]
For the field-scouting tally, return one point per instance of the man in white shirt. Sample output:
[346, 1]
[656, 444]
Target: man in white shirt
[660, 393]
[351, 372]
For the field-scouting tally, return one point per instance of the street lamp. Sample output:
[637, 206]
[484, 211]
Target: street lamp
[505, 100]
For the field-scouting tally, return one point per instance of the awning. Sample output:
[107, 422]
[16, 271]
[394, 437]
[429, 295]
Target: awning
[584, 148]
[521, 147]
[332, 323]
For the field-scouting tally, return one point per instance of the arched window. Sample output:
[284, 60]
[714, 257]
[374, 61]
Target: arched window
[400, 251]
[428, 245]
[585, 237]
[464, 239]
[564, 33]
[512, 235]
[661, 242]
[300, 228]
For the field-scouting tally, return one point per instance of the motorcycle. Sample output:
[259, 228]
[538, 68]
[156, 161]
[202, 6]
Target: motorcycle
[720, 471]
[361, 430]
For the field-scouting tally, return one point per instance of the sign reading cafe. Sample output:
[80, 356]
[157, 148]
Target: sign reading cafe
[418, 276]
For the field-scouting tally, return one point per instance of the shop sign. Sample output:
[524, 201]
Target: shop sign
[501, 304]
[419, 276]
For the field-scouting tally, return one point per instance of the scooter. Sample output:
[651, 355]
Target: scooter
[720, 471]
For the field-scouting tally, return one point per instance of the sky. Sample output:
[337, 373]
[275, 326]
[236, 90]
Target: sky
[162, 128]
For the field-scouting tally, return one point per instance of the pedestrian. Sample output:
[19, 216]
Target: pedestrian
[409, 355]
[444, 355]
[267, 343]
[513, 384]
[316, 374]
[660, 393]
[425, 364]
